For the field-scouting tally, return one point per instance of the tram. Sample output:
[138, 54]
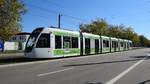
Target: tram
[54, 42]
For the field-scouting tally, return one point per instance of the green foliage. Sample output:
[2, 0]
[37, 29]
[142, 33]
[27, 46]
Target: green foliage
[136, 40]
[101, 27]
[144, 41]
[116, 31]
[11, 12]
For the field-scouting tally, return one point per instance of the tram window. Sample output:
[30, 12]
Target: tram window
[113, 44]
[74, 42]
[121, 44]
[116, 44]
[125, 45]
[58, 42]
[105, 43]
[130, 44]
[43, 41]
[66, 42]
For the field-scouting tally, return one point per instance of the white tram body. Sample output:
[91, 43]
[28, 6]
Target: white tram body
[53, 42]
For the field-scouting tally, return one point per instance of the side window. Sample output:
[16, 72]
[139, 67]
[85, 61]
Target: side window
[14, 38]
[116, 44]
[121, 44]
[125, 45]
[130, 44]
[58, 42]
[74, 42]
[43, 41]
[113, 44]
[66, 42]
[105, 43]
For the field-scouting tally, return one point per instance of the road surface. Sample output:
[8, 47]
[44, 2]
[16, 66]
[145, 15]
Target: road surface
[129, 67]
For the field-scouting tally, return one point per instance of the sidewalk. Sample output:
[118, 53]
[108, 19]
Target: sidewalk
[10, 55]
[9, 58]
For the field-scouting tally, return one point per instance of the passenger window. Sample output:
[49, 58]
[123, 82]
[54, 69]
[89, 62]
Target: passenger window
[66, 42]
[43, 41]
[113, 44]
[116, 44]
[130, 44]
[125, 45]
[105, 43]
[121, 44]
[74, 42]
[58, 42]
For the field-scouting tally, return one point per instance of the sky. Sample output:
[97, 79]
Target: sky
[44, 13]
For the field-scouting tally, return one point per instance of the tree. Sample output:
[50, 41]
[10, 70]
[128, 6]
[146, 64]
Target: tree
[120, 31]
[11, 12]
[136, 40]
[129, 33]
[144, 41]
[99, 27]
[85, 28]
[115, 31]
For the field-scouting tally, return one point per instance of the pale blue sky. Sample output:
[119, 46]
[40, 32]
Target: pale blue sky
[135, 13]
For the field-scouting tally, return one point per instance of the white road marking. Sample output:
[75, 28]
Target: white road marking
[112, 81]
[49, 73]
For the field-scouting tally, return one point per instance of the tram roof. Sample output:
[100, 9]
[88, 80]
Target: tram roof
[105, 37]
[89, 35]
[115, 39]
[130, 41]
[64, 32]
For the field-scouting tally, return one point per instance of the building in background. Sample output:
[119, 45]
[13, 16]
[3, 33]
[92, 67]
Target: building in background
[17, 42]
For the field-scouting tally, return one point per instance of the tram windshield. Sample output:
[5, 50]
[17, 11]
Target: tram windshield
[32, 39]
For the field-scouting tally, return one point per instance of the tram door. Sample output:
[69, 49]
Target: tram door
[96, 46]
[87, 46]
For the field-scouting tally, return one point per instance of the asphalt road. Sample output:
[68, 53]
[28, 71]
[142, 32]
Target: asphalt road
[129, 67]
